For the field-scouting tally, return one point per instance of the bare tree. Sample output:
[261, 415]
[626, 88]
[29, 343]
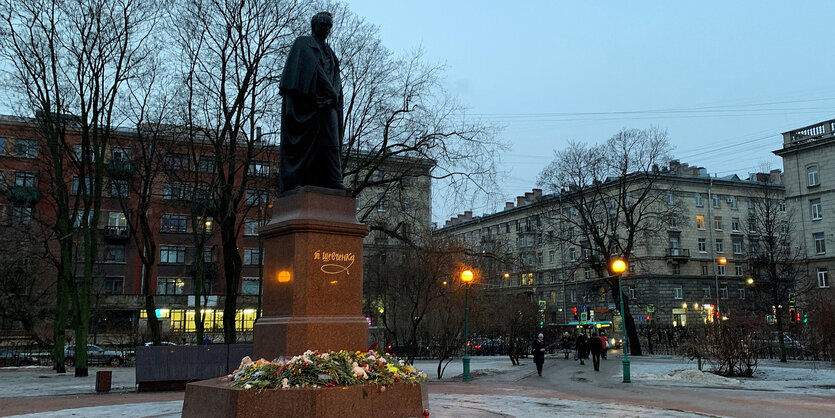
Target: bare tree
[610, 196]
[776, 265]
[72, 58]
[233, 54]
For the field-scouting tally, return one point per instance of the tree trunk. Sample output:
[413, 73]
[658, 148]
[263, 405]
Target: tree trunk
[780, 339]
[150, 307]
[232, 272]
[60, 326]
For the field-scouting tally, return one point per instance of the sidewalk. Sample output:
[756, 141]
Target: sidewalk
[662, 386]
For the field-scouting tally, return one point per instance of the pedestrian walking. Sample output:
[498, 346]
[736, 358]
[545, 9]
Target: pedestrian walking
[582, 347]
[596, 349]
[605, 340]
[539, 352]
[565, 344]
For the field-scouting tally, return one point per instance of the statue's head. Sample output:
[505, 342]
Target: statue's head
[321, 24]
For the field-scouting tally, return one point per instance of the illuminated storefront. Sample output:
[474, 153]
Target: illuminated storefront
[182, 320]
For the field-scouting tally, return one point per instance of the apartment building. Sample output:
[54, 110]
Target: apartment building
[118, 275]
[675, 277]
[808, 155]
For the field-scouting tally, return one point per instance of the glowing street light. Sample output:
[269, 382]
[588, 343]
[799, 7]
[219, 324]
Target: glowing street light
[467, 277]
[619, 266]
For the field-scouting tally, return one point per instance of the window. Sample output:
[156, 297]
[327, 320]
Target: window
[735, 224]
[113, 285]
[76, 184]
[176, 162]
[630, 291]
[723, 291]
[113, 254]
[170, 286]
[249, 286]
[700, 221]
[79, 154]
[732, 202]
[817, 209]
[702, 245]
[737, 244]
[174, 191]
[118, 188]
[406, 181]
[117, 219]
[407, 207]
[671, 197]
[673, 222]
[717, 223]
[539, 258]
[27, 148]
[25, 179]
[552, 256]
[207, 164]
[572, 253]
[252, 256]
[208, 255]
[119, 154]
[705, 292]
[820, 242]
[21, 215]
[251, 227]
[586, 273]
[382, 205]
[698, 197]
[256, 197]
[782, 204]
[572, 296]
[720, 247]
[171, 254]
[571, 233]
[720, 270]
[715, 199]
[259, 168]
[676, 269]
[812, 174]
[823, 277]
[174, 223]
[2, 145]
[741, 292]
[678, 293]
[740, 270]
[752, 224]
[705, 270]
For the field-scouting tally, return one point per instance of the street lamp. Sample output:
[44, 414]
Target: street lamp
[467, 277]
[722, 261]
[619, 266]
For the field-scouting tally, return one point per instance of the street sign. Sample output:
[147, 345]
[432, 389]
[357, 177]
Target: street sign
[584, 317]
[640, 318]
[584, 308]
[704, 314]
[650, 308]
[542, 304]
[769, 319]
[792, 298]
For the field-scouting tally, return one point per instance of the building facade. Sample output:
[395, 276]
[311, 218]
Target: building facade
[117, 294]
[808, 155]
[676, 276]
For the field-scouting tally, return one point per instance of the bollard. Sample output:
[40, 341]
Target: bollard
[103, 381]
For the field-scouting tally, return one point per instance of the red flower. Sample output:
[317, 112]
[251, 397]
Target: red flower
[330, 384]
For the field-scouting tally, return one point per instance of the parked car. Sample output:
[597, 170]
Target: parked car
[13, 358]
[95, 355]
[150, 343]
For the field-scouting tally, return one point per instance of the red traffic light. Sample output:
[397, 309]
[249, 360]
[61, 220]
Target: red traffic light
[575, 312]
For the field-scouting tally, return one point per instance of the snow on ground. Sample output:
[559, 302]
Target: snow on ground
[440, 405]
[18, 382]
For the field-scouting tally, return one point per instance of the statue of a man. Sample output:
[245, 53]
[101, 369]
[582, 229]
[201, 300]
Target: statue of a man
[311, 112]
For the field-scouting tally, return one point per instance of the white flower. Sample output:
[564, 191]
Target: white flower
[325, 356]
[285, 383]
[247, 386]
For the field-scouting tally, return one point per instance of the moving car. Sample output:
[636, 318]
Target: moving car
[95, 355]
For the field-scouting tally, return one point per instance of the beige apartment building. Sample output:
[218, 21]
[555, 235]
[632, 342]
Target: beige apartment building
[809, 162]
[675, 277]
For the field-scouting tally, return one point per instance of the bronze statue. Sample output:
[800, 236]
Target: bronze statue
[311, 112]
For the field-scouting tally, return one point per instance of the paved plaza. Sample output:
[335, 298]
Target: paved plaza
[661, 386]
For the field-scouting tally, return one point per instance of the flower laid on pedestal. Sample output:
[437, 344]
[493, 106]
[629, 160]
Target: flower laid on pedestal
[335, 368]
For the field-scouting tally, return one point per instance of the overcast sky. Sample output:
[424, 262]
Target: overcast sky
[725, 78]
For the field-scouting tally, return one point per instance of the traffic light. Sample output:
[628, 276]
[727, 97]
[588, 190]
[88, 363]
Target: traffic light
[575, 313]
[541, 324]
[805, 318]
[797, 316]
[793, 316]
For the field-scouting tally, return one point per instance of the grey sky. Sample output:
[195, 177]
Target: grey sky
[725, 78]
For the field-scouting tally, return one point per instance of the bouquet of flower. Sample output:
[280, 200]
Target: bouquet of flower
[314, 369]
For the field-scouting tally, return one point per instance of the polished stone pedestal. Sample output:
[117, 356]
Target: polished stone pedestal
[213, 398]
[312, 276]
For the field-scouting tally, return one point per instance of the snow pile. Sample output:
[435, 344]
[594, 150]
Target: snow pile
[695, 376]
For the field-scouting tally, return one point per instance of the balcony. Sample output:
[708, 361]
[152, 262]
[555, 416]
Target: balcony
[23, 194]
[120, 169]
[677, 254]
[116, 233]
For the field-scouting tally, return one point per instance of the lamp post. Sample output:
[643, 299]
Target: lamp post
[467, 277]
[721, 261]
[619, 266]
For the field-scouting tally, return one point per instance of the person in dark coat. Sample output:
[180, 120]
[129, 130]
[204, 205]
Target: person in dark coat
[582, 347]
[565, 344]
[539, 352]
[596, 349]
